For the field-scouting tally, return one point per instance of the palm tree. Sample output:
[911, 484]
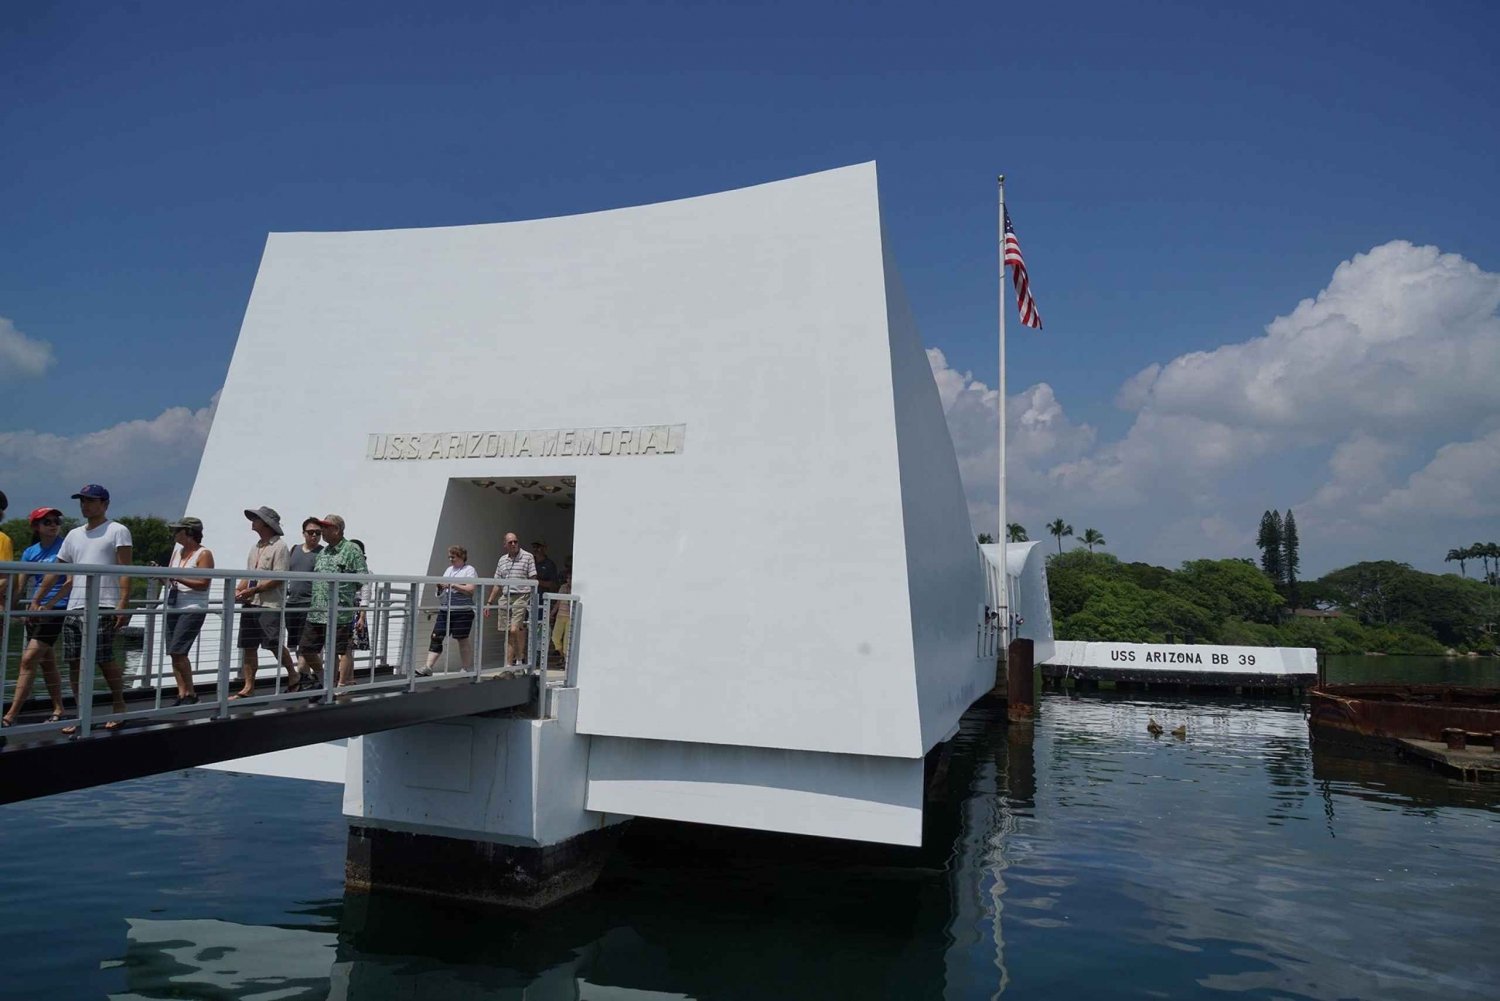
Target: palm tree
[1487, 551]
[1459, 555]
[1092, 538]
[1015, 532]
[1478, 552]
[985, 539]
[1060, 528]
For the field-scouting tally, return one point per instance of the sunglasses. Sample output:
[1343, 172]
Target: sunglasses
[312, 531]
[49, 521]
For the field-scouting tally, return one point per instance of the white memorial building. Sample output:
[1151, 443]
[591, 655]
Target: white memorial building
[721, 410]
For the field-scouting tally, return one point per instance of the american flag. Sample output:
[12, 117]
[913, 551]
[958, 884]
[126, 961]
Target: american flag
[1011, 258]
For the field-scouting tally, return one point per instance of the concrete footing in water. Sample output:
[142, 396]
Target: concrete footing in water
[485, 808]
[525, 877]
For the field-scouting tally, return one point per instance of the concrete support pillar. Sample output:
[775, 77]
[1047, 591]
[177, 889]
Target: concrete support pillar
[483, 808]
[519, 876]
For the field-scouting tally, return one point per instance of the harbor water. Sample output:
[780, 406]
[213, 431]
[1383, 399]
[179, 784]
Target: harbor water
[1085, 858]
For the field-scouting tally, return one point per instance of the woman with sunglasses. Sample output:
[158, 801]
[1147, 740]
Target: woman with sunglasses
[187, 603]
[42, 631]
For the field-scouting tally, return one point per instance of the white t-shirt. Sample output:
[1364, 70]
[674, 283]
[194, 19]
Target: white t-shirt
[94, 545]
[457, 599]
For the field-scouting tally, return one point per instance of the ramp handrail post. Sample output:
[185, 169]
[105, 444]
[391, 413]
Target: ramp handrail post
[149, 667]
[477, 630]
[408, 639]
[226, 647]
[570, 670]
[549, 702]
[533, 610]
[376, 616]
[331, 666]
[86, 656]
[5, 638]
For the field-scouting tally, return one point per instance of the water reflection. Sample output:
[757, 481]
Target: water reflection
[1210, 863]
[211, 958]
[1373, 774]
[1081, 857]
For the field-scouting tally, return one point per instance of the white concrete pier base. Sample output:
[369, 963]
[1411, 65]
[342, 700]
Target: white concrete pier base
[487, 808]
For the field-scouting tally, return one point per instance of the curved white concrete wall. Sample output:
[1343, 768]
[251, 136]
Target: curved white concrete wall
[1026, 566]
[797, 575]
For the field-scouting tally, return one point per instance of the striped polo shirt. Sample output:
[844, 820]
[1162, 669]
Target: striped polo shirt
[521, 567]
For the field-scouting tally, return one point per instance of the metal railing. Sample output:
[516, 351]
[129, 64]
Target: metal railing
[388, 655]
[989, 633]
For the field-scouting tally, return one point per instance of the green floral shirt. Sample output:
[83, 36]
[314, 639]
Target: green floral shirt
[342, 558]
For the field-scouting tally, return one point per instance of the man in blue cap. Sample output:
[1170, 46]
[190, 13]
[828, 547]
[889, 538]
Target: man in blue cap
[97, 541]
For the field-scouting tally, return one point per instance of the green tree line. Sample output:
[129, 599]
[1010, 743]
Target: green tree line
[1380, 606]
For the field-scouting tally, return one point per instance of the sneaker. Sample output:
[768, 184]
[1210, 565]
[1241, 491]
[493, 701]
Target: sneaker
[424, 672]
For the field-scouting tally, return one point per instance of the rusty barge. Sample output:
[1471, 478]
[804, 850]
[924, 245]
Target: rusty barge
[1451, 728]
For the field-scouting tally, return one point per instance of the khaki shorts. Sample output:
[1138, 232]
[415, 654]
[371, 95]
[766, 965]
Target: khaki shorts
[517, 604]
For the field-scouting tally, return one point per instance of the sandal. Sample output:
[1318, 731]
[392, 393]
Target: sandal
[56, 718]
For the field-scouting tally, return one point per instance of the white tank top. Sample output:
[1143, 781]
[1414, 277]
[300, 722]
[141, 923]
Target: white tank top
[185, 594]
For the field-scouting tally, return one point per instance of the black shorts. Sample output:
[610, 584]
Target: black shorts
[315, 633]
[260, 627]
[44, 631]
[104, 639]
[296, 621]
[455, 622]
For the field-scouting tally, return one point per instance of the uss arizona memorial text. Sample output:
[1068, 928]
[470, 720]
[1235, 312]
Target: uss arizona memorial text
[650, 439]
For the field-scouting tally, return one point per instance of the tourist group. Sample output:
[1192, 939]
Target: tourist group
[275, 615]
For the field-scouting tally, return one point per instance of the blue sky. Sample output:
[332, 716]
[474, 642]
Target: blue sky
[1180, 176]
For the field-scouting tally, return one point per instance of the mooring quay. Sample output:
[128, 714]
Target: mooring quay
[1144, 666]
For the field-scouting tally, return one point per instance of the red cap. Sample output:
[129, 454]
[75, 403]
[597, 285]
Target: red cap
[42, 512]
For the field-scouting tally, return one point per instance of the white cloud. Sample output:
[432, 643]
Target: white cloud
[1403, 339]
[1391, 369]
[1039, 433]
[1461, 482]
[1358, 470]
[1161, 455]
[1137, 389]
[20, 356]
[147, 465]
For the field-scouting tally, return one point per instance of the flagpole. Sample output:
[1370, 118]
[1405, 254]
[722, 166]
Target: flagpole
[1004, 536]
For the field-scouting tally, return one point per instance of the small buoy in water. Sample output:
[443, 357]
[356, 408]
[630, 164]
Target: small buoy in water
[1181, 732]
[1154, 728]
